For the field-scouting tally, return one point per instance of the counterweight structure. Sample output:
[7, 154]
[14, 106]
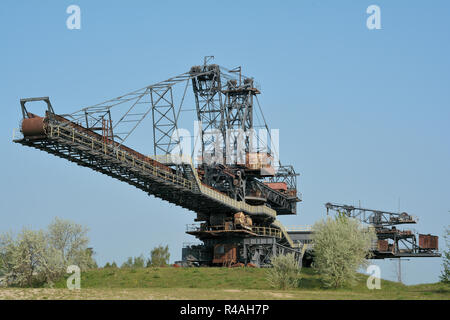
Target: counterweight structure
[236, 188]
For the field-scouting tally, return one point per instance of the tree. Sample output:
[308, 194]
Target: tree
[28, 260]
[159, 256]
[136, 262]
[285, 271]
[128, 263]
[91, 263]
[28, 257]
[34, 258]
[139, 262]
[341, 246]
[70, 240]
[445, 275]
[6, 249]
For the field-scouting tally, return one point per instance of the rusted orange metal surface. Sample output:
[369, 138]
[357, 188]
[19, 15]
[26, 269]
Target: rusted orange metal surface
[33, 126]
[225, 254]
[382, 245]
[277, 185]
[427, 241]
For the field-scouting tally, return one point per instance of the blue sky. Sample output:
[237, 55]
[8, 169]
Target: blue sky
[363, 114]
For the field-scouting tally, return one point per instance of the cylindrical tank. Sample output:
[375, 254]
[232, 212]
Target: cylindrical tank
[33, 126]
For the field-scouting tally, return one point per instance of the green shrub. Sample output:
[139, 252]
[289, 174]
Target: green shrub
[341, 246]
[285, 272]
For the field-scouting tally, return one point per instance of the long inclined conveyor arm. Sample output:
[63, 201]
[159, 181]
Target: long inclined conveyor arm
[87, 148]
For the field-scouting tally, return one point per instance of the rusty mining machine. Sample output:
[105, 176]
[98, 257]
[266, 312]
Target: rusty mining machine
[233, 179]
[237, 187]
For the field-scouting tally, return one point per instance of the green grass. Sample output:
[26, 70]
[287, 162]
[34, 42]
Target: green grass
[216, 283]
[221, 278]
[226, 283]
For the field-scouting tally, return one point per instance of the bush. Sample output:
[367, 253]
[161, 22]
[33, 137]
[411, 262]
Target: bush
[285, 271]
[341, 246]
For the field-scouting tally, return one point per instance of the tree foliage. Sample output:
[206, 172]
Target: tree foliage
[139, 262]
[128, 263]
[33, 258]
[28, 260]
[159, 256]
[112, 265]
[445, 275]
[71, 241]
[136, 262]
[341, 246]
[285, 271]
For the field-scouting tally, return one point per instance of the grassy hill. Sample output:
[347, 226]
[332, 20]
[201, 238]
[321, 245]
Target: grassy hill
[238, 283]
[215, 283]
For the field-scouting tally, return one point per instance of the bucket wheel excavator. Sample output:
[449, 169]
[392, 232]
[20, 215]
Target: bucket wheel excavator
[232, 177]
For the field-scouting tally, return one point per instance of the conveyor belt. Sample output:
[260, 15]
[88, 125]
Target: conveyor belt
[140, 171]
[89, 149]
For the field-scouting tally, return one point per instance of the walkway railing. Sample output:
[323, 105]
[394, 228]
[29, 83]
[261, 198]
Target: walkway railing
[107, 148]
[260, 231]
[299, 228]
[240, 205]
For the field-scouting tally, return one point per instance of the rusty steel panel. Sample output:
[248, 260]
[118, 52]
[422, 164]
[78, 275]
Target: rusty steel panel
[382, 245]
[428, 241]
[225, 254]
[277, 185]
